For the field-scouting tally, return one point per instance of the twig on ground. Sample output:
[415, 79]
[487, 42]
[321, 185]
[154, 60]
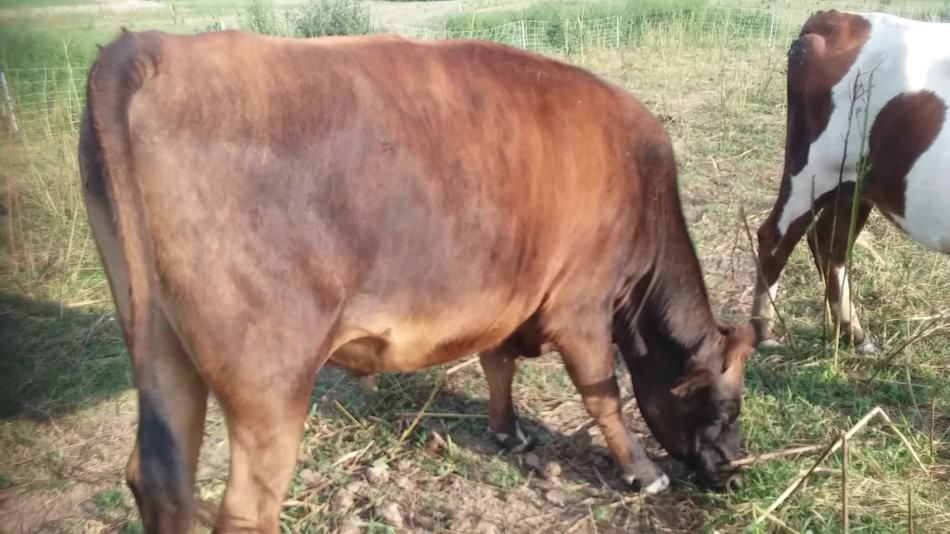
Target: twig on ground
[844, 484]
[445, 415]
[910, 510]
[933, 419]
[342, 409]
[775, 520]
[837, 443]
[906, 442]
[773, 455]
[435, 389]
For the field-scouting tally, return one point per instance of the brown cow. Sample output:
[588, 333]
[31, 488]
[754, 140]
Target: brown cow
[862, 87]
[264, 206]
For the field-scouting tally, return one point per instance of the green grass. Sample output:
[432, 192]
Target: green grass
[63, 367]
[40, 3]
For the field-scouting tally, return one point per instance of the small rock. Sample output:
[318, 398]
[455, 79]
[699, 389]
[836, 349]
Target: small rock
[557, 497]
[485, 527]
[343, 500]
[552, 470]
[378, 474]
[403, 465]
[356, 487]
[350, 525]
[390, 513]
[531, 460]
[405, 483]
[309, 477]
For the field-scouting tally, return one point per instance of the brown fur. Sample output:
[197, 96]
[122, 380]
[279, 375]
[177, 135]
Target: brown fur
[382, 205]
[907, 125]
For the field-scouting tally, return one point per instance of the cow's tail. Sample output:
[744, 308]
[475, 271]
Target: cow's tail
[114, 204]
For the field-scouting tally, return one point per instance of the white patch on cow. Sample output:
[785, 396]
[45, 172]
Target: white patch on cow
[654, 487]
[763, 308]
[842, 307]
[900, 56]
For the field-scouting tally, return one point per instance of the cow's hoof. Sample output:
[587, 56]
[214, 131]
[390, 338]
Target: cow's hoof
[657, 486]
[769, 344]
[866, 347]
[516, 443]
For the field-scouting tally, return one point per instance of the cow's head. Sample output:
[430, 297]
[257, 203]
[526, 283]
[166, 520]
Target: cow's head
[691, 400]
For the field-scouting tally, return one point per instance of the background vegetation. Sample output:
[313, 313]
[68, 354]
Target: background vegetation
[713, 72]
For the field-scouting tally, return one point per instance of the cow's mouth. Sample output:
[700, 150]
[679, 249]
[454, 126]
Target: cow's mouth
[716, 472]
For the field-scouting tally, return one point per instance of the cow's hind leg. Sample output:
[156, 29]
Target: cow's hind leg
[172, 403]
[499, 366]
[589, 356]
[265, 398]
[828, 242]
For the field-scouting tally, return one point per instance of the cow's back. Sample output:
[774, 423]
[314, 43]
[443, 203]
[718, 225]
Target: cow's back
[451, 187]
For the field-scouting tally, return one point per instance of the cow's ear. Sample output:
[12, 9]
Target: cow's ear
[738, 344]
[693, 382]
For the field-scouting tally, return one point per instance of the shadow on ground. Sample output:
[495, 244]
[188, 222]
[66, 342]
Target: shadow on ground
[586, 476]
[55, 359]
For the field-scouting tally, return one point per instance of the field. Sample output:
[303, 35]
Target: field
[714, 74]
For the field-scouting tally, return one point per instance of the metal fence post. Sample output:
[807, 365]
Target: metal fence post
[618, 31]
[772, 29]
[524, 35]
[7, 103]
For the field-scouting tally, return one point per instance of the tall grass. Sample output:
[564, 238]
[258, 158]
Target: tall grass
[573, 27]
[316, 18]
[725, 114]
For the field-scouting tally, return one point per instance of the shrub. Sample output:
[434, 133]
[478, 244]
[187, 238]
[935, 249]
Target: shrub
[330, 17]
[261, 17]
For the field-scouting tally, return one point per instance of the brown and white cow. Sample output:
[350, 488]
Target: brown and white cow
[861, 87]
[264, 206]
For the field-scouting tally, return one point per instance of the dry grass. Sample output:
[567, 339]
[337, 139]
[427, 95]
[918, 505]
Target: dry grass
[69, 416]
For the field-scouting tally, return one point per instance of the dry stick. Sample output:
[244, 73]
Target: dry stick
[907, 444]
[445, 415]
[792, 488]
[775, 520]
[773, 455]
[876, 411]
[910, 511]
[342, 409]
[933, 418]
[844, 484]
[435, 389]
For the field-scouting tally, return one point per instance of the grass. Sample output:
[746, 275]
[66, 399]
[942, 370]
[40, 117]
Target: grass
[67, 415]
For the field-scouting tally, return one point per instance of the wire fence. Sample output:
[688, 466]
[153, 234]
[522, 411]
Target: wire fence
[48, 100]
[568, 36]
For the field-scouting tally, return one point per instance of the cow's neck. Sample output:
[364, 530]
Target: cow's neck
[669, 307]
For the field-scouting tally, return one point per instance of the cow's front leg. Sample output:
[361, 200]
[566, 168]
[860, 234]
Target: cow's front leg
[590, 363]
[499, 367]
[828, 241]
[775, 246]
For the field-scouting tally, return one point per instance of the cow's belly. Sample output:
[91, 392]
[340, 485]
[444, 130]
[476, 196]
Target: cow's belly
[390, 341]
[926, 216]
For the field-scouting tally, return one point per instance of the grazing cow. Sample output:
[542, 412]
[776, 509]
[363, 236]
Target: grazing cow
[861, 88]
[264, 206]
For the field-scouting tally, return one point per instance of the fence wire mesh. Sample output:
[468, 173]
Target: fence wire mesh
[48, 100]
